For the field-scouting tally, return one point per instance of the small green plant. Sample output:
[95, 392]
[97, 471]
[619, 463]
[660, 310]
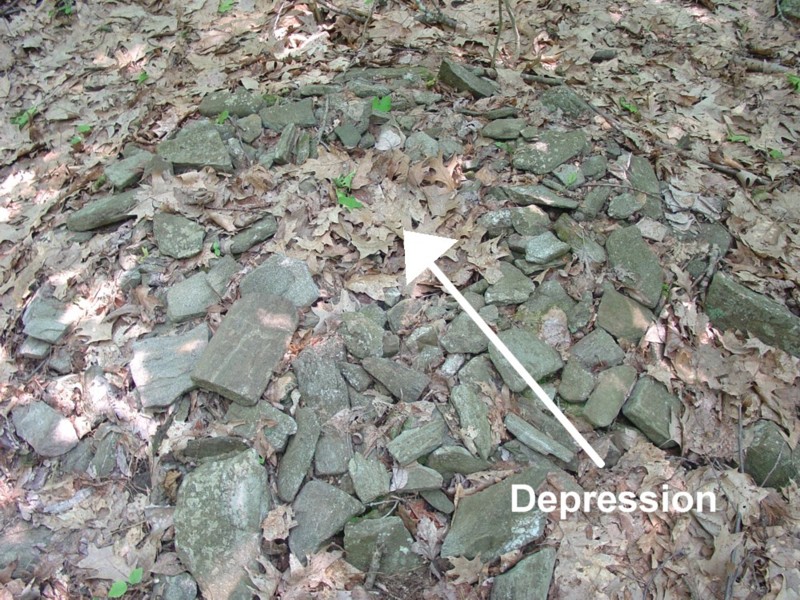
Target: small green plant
[382, 104]
[145, 254]
[119, 588]
[343, 185]
[78, 137]
[794, 81]
[776, 154]
[572, 178]
[503, 146]
[25, 117]
[99, 182]
[64, 8]
[735, 137]
[628, 105]
[222, 117]
[143, 77]
[216, 249]
[225, 6]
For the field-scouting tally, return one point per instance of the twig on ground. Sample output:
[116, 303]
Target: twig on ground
[677, 554]
[514, 28]
[542, 79]
[434, 17]
[499, 32]
[353, 14]
[374, 567]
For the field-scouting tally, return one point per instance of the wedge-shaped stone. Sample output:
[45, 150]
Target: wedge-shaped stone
[105, 211]
[539, 359]
[405, 384]
[249, 344]
[197, 145]
[361, 539]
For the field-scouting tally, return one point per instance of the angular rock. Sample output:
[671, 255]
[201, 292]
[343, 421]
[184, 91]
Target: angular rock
[577, 382]
[282, 276]
[356, 376]
[535, 439]
[416, 478]
[644, 181]
[514, 287]
[176, 587]
[529, 220]
[478, 370]
[525, 195]
[128, 171]
[539, 359]
[284, 149]
[610, 393]
[333, 452]
[191, 297]
[570, 176]
[439, 500]
[730, 305]
[106, 211]
[240, 103]
[484, 523]
[652, 409]
[593, 203]
[197, 146]
[321, 511]
[594, 167]
[636, 265]
[462, 79]
[362, 335]
[419, 146]
[47, 431]
[496, 222]
[296, 461]
[46, 319]
[625, 205]
[387, 533]
[256, 233]
[300, 113]
[404, 313]
[582, 244]
[275, 424]
[769, 460]
[503, 129]
[455, 459]
[370, 478]
[208, 448]
[552, 149]
[33, 348]
[161, 367]
[622, 317]
[250, 128]
[177, 236]
[22, 548]
[463, 336]
[414, 443]
[473, 417]
[598, 349]
[218, 523]
[562, 98]
[320, 381]
[248, 345]
[544, 248]
[529, 578]
[404, 384]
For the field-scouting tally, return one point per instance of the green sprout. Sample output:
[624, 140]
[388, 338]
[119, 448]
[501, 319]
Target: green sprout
[119, 587]
[343, 184]
[143, 76]
[735, 137]
[25, 117]
[222, 117]
[63, 7]
[225, 6]
[382, 104]
[776, 154]
[794, 81]
[216, 249]
[628, 105]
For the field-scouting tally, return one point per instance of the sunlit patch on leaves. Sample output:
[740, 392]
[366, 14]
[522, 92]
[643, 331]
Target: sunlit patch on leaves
[628, 105]
[382, 104]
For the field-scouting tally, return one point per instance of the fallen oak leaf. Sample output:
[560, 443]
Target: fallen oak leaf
[466, 571]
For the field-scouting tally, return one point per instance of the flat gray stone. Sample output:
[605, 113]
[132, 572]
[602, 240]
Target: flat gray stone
[176, 587]
[544, 248]
[539, 359]
[496, 222]
[362, 538]
[333, 453]
[404, 313]
[356, 376]
[321, 511]
[22, 548]
[610, 393]
[47, 431]
[625, 205]
[463, 336]
[439, 500]
[473, 417]
[419, 146]
[190, 298]
[370, 478]
[284, 150]
[414, 443]
[462, 79]
[248, 345]
[177, 236]
[503, 129]
[455, 459]
[598, 349]
[552, 149]
[622, 317]
[403, 383]
[33, 348]
[730, 305]
[282, 276]
[769, 460]
[570, 176]
[529, 578]
[514, 287]
[197, 146]
[240, 103]
[261, 230]
[478, 370]
[417, 478]
[643, 179]
[106, 211]
[320, 381]
[577, 382]
[296, 461]
[583, 245]
[525, 195]
[124, 173]
[594, 167]
[564, 99]
[484, 524]
[300, 113]
[635, 264]
[218, 523]
[348, 134]
[529, 220]
[250, 128]
[593, 203]
[651, 408]
[275, 424]
[161, 367]
[362, 336]
[46, 319]
[535, 439]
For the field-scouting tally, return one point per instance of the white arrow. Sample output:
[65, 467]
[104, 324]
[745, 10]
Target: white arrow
[422, 250]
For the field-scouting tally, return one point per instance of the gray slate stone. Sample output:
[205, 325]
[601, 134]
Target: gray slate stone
[455, 459]
[22, 548]
[581, 242]
[439, 500]
[47, 431]
[529, 578]
[300, 113]
[769, 460]
[484, 523]
[419, 146]
[622, 317]
[652, 408]
[333, 452]
[418, 478]
[625, 205]
[577, 382]
[176, 587]
[248, 345]
[478, 370]
[276, 425]
[190, 298]
[570, 176]
[643, 179]
[197, 146]
[177, 236]
[594, 167]
[362, 336]
[348, 134]
[106, 211]
[564, 99]
[321, 511]
[46, 319]
[296, 461]
[462, 79]
[404, 313]
[33, 348]
[218, 523]
[636, 265]
[161, 367]
[414, 443]
[240, 103]
[535, 439]
[610, 393]
[503, 129]
[124, 173]
[496, 222]
[464, 337]
[598, 349]
[514, 287]
[539, 359]
[552, 149]
[370, 478]
[390, 535]
[256, 233]
[730, 305]
[320, 381]
[473, 417]
[250, 128]
[403, 383]
[282, 276]
[356, 376]
[544, 248]
[525, 195]
[529, 220]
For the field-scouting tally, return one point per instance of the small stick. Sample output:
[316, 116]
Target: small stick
[499, 31]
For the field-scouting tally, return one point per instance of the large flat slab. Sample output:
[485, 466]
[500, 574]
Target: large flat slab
[239, 360]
